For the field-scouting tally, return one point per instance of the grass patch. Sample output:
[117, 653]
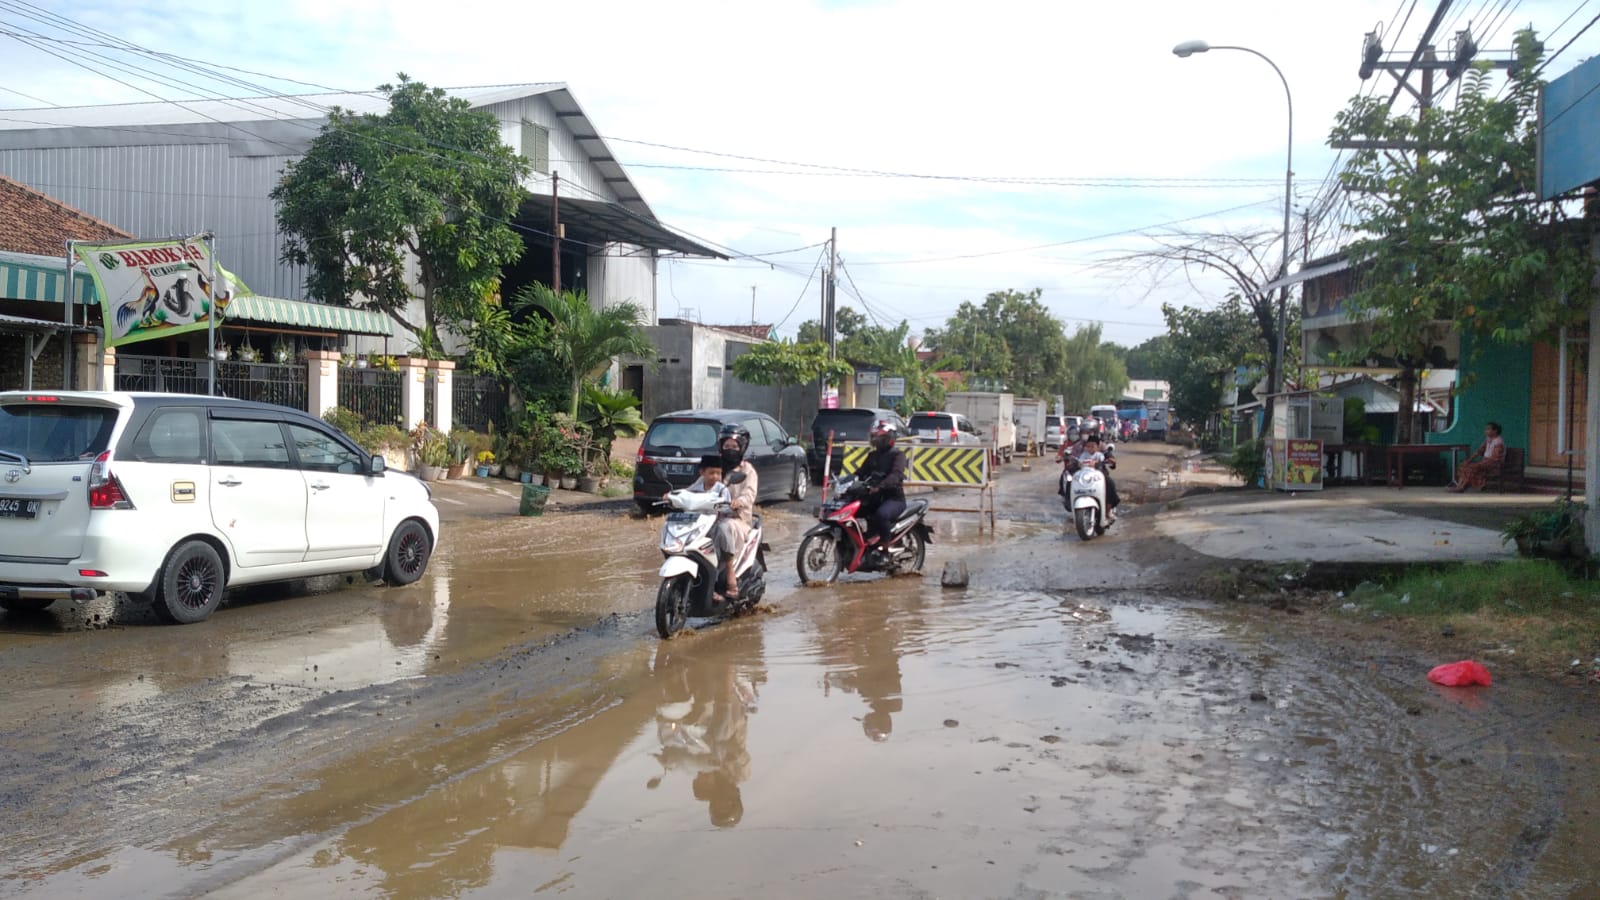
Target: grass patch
[613, 491]
[1536, 607]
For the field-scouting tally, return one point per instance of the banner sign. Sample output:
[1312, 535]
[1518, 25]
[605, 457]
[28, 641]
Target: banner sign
[892, 386]
[152, 289]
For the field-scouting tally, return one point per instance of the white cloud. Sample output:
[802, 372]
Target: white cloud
[1005, 88]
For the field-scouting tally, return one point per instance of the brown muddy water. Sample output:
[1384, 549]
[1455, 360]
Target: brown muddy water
[511, 727]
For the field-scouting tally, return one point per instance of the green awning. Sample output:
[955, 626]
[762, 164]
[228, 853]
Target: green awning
[278, 311]
[24, 276]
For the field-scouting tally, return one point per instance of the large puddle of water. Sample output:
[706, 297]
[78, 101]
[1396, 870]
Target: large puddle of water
[876, 737]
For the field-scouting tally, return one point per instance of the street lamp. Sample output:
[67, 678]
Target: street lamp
[1189, 48]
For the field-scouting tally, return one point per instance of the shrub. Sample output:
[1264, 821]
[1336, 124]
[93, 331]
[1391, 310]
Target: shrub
[1246, 461]
[621, 468]
[346, 420]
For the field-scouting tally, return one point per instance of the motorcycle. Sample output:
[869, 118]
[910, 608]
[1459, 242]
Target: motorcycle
[1085, 498]
[692, 584]
[838, 544]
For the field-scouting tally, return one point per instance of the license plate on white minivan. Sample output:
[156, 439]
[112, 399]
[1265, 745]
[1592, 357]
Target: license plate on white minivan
[18, 508]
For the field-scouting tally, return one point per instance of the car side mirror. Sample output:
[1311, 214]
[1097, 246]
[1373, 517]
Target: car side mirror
[736, 478]
[791, 441]
[376, 466]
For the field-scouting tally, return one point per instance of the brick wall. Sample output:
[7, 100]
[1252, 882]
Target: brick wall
[46, 369]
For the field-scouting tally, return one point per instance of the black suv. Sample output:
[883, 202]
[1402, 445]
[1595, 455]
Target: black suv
[852, 424]
[670, 456]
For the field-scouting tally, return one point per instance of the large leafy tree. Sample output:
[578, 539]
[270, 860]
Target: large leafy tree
[1452, 234]
[780, 364]
[1011, 336]
[1141, 361]
[1202, 350]
[427, 181]
[564, 333]
[1093, 372]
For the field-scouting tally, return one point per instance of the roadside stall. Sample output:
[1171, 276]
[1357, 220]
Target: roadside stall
[1294, 453]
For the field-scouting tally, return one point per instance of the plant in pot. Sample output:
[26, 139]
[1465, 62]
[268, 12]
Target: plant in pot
[282, 353]
[460, 452]
[611, 415]
[248, 353]
[485, 460]
[1550, 532]
[513, 448]
[436, 457]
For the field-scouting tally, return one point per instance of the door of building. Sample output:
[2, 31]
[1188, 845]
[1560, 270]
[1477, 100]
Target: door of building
[1544, 418]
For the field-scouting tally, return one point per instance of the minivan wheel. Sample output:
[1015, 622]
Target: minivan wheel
[408, 554]
[191, 584]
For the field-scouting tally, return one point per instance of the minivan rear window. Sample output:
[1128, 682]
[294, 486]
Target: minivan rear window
[681, 437]
[57, 432]
[846, 424]
[930, 422]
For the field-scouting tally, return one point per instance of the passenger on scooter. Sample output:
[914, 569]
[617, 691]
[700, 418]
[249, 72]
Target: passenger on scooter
[711, 478]
[734, 529]
[885, 471]
[1091, 455]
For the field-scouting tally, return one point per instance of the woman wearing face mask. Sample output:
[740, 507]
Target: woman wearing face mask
[734, 529]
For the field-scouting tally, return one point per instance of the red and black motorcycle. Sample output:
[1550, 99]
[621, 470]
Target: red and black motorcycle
[838, 543]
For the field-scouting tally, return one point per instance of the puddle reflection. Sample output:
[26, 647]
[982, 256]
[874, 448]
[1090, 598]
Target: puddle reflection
[703, 709]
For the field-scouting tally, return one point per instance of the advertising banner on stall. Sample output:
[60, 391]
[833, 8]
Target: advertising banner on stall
[1303, 465]
[154, 289]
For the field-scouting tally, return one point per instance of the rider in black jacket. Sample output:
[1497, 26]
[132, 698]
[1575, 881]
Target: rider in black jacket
[884, 471]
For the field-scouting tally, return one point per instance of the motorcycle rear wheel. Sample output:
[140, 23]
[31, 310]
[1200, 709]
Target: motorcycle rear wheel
[1084, 519]
[818, 559]
[672, 606]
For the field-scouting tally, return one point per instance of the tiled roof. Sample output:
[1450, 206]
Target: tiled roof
[31, 222]
[764, 332]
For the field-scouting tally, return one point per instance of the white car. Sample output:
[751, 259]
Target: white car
[172, 498]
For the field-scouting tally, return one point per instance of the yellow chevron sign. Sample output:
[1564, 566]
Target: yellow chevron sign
[948, 465]
[853, 458]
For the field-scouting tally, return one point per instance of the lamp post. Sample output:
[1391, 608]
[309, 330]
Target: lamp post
[1189, 48]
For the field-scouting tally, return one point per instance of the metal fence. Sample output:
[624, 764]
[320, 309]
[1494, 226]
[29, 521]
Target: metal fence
[477, 400]
[280, 384]
[373, 393]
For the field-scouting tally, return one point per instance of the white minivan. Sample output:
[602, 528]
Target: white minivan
[173, 498]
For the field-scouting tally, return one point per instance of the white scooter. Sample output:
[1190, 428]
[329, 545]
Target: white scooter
[691, 580]
[1086, 500]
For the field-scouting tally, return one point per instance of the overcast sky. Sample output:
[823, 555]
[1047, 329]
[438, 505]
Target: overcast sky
[1088, 96]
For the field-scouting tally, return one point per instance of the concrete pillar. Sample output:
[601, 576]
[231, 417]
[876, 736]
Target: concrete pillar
[322, 381]
[413, 384]
[108, 371]
[443, 411]
[86, 363]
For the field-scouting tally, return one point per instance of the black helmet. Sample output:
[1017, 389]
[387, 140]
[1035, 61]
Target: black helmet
[882, 435]
[739, 432]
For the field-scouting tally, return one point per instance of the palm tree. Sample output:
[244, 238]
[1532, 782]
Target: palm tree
[578, 338]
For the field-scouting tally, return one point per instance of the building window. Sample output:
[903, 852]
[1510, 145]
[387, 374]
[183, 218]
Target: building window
[536, 146]
[713, 371]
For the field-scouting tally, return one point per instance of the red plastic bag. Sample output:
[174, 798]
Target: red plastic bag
[1460, 674]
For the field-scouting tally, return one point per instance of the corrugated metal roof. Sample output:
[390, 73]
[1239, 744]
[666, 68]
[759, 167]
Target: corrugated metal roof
[291, 107]
[21, 324]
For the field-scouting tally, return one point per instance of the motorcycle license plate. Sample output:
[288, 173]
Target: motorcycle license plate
[18, 508]
[683, 518]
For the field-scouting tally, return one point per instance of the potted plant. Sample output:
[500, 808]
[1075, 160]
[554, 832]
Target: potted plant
[510, 456]
[436, 458]
[1551, 532]
[485, 460]
[460, 453]
[220, 352]
[248, 353]
[282, 353]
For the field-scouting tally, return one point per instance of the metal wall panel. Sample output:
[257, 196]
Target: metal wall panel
[165, 190]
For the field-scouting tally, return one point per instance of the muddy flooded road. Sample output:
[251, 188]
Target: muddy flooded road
[1064, 726]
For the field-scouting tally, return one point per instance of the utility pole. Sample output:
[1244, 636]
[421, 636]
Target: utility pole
[752, 304]
[833, 286]
[555, 231]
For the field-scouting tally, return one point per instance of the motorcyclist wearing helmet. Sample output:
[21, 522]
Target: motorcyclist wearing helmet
[884, 470]
[1092, 455]
[733, 530]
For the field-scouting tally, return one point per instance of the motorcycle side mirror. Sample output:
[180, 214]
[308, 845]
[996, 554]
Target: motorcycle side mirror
[736, 478]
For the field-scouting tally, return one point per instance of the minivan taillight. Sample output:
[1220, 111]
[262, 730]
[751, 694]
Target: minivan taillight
[105, 491]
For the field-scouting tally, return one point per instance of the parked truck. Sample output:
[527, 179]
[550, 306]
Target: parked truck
[1030, 422]
[993, 414]
[1156, 420]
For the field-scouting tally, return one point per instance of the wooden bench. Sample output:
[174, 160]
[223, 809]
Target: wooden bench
[1510, 473]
